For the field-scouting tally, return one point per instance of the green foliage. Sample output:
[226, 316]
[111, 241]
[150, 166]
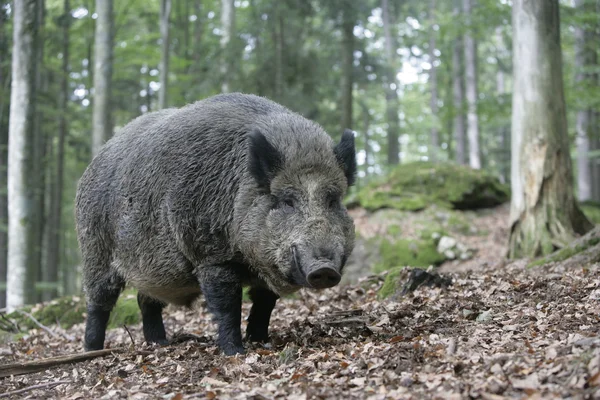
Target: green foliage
[416, 185]
[126, 311]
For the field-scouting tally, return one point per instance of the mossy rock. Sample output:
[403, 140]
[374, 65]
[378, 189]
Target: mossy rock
[566, 252]
[591, 209]
[126, 311]
[417, 185]
[391, 283]
[404, 252]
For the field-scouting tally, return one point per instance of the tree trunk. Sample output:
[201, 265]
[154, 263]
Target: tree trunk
[544, 213]
[4, 109]
[458, 96]
[391, 96]
[279, 57]
[503, 135]
[103, 60]
[40, 161]
[21, 182]
[584, 58]
[54, 217]
[165, 12]
[471, 89]
[228, 32]
[435, 134]
[365, 128]
[347, 65]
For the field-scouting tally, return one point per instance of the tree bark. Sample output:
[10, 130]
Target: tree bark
[365, 128]
[584, 58]
[103, 60]
[54, 217]
[165, 12]
[458, 96]
[4, 94]
[21, 185]
[471, 89]
[435, 134]
[544, 213]
[228, 28]
[348, 22]
[391, 96]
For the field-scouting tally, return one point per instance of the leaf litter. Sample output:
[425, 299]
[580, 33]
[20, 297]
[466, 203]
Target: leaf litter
[496, 332]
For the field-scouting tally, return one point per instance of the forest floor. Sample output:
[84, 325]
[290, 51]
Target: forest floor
[500, 330]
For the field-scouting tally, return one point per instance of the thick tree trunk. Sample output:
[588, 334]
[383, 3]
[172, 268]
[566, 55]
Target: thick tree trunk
[544, 213]
[347, 65]
[4, 110]
[585, 55]
[103, 61]
[21, 182]
[471, 90]
[391, 96]
[54, 217]
[458, 96]
[435, 134]
[228, 32]
[165, 12]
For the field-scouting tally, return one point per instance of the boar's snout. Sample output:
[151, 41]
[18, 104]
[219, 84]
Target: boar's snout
[323, 277]
[319, 268]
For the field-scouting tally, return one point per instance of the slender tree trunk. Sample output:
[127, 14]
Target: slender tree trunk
[4, 95]
[103, 60]
[165, 12]
[391, 96]
[54, 218]
[40, 160]
[584, 58]
[544, 212]
[367, 146]
[471, 90]
[21, 185]
[228, 28]
[435, 134]
[347, 65]
[279, 57]
[458, 96]
[503, 132]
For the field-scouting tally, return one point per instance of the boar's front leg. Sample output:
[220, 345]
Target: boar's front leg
[222, 290]
[263, 302]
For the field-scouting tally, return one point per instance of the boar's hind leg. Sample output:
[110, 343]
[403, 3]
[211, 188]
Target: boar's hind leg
[102, 296]
[263, 302]
[154, 329]
[223, 294]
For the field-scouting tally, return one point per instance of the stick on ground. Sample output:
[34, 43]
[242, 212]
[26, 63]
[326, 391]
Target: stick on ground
[32, 367]
[47, 385]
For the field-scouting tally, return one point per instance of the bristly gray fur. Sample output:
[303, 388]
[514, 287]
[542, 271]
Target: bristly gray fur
[171, 195]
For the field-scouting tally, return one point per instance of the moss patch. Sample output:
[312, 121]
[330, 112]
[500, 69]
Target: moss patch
[63, 311]
[564, 253]
[126, 311]
[591, 209]
[390, 284]
[403, 252]
[415, 186]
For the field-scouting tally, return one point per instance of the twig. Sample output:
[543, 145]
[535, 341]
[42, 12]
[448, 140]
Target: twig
[130, 336]
[32, 367]
[39, 386]
[38, 323]
[51, 332]
[7, 325]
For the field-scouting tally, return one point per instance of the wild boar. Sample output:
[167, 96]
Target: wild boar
[231, 191]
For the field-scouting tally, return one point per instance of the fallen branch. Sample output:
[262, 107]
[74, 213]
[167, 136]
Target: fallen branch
[31, 367]
[48, 385]
[50, 331]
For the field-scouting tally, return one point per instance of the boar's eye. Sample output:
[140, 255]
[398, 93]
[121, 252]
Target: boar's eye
[287, 204]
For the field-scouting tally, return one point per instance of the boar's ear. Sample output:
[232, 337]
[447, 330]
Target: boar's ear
[264, 159]
[345, 153]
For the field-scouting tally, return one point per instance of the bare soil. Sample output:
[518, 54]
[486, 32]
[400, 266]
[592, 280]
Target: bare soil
[499, 331]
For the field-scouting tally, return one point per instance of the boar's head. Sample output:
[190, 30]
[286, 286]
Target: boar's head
[296, 230]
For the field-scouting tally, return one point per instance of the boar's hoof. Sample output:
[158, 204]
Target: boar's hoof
[324, 277]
